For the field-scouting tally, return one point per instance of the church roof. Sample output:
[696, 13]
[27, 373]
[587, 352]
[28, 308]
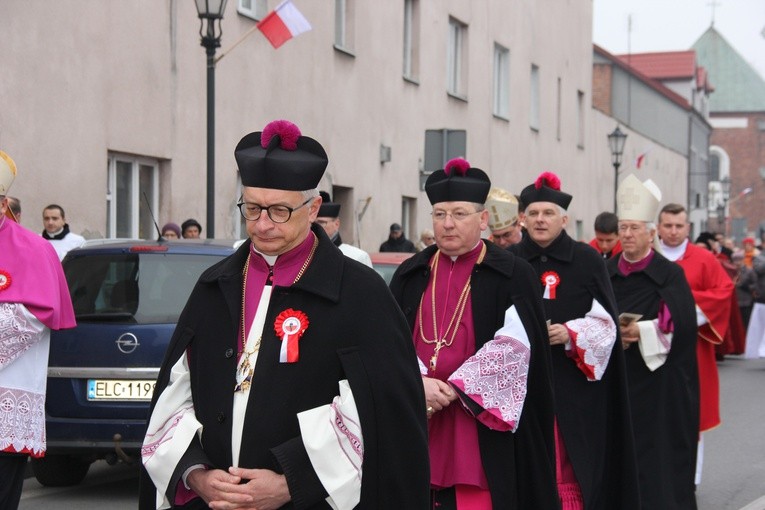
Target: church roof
[738, 87]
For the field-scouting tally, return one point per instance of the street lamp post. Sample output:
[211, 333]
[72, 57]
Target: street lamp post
[210, 11]
[723, 218]
[616, 143]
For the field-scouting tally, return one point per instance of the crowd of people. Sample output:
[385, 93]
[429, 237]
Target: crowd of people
[506, 366]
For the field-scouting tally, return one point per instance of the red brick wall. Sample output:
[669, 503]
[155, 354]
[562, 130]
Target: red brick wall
[601, 87]
[746, 149]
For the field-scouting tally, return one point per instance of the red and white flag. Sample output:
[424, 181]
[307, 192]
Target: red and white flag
[283, 23]
[641, 159]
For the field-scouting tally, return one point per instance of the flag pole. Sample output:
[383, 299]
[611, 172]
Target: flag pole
[238, 41]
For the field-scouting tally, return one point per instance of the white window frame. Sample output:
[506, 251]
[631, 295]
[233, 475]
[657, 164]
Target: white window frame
[136, 196]
[534, 99]
[254, 9]
[344, 26]
[501, 106]
[455, 55]
[580, 119]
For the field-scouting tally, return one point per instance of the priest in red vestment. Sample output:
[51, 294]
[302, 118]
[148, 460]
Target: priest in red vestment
[478, 327]
[712, 289]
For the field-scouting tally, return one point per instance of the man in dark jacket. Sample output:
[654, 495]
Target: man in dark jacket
[290, 381]
[480, 336]
[596, 470]
[397, 242]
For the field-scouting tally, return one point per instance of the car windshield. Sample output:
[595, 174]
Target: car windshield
[131, 287]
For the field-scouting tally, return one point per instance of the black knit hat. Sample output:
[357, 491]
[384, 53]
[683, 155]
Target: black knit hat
[280, 158]
[458, 182]
[328, 208]
[545, 189]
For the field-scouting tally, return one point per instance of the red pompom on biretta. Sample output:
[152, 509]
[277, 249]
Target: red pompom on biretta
[287, 131]
[548, 179]
[457, 165]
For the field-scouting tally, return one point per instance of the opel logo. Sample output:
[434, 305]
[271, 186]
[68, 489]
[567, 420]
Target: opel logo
[127, 343]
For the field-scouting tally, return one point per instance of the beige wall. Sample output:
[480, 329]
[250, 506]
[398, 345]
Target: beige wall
[82, 78]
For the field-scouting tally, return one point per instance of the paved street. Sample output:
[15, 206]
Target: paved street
[734, 470]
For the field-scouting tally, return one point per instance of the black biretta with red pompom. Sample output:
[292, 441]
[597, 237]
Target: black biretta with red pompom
[458, 182]
[279, 157]
[545, 189]
[328, 209]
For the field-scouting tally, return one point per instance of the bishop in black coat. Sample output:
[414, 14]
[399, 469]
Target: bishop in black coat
[665, 402]
[593, 416]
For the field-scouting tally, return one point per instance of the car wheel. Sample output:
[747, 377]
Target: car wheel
[60, 470]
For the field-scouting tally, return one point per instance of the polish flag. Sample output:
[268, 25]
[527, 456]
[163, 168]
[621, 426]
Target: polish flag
[641, 159]
[283, 23]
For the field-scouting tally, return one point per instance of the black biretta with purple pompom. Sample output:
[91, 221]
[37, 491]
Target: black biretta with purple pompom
[280, 158]
[545, 189]
[458, 182]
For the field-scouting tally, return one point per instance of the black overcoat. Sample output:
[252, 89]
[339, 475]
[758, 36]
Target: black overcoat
[356, 332]
[665, 402]
[593, 416]
[520, 466]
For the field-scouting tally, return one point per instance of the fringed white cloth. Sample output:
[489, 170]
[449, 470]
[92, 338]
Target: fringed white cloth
[332, 437]
[24, 343]
[654, 344]
[171, 429]
[592, 341]
[496, 376]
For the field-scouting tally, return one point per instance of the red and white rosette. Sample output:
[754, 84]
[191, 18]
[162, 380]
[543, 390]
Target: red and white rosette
[5, 279]
[290, 326]
[550, 280]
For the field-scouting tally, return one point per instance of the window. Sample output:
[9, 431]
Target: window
[255, 9]
[411, 39]
[501, 82]
[534, 98]
[441, 145]
[558, 107]
[580, 119]
[457, 66]
[132, 187]
[344, 25]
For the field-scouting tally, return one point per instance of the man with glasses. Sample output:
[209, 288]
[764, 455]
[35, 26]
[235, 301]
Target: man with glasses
[593, 436]
[504, 223]
[291, 380]
[658, 330]
[480, 337]
[329, 219]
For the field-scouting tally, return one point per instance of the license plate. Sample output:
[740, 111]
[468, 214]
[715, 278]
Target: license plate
[122, 389]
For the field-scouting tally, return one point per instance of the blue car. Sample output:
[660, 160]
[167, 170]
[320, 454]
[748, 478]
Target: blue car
[127, 297]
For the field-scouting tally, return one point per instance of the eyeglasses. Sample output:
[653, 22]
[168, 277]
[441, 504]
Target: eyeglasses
[634, 228]
[458, 215]
[276, 213]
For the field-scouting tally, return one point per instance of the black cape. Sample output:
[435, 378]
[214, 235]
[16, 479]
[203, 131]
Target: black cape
[665, 402]
[593, 416]
[356, 332]
[520, 466]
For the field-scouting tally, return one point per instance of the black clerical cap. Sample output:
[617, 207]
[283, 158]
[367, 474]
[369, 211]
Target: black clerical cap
[545, 189]
[458, 182]
[328, 208]
[279, 157]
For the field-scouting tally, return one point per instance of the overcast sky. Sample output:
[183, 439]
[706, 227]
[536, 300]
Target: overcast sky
[670, 25]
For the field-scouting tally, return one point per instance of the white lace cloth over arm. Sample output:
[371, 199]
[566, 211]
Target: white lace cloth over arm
[333, 440]
[495, 377]
[592, 341]
[24, 345]
[654, 344]
[171, 429]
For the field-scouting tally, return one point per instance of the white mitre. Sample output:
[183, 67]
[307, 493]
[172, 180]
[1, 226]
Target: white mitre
[502, 207]
[7, 173]
[637, 201]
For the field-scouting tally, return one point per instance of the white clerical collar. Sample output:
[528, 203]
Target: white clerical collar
[673, 253]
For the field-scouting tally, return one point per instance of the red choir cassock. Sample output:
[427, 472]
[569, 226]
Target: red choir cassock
[712, 289]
